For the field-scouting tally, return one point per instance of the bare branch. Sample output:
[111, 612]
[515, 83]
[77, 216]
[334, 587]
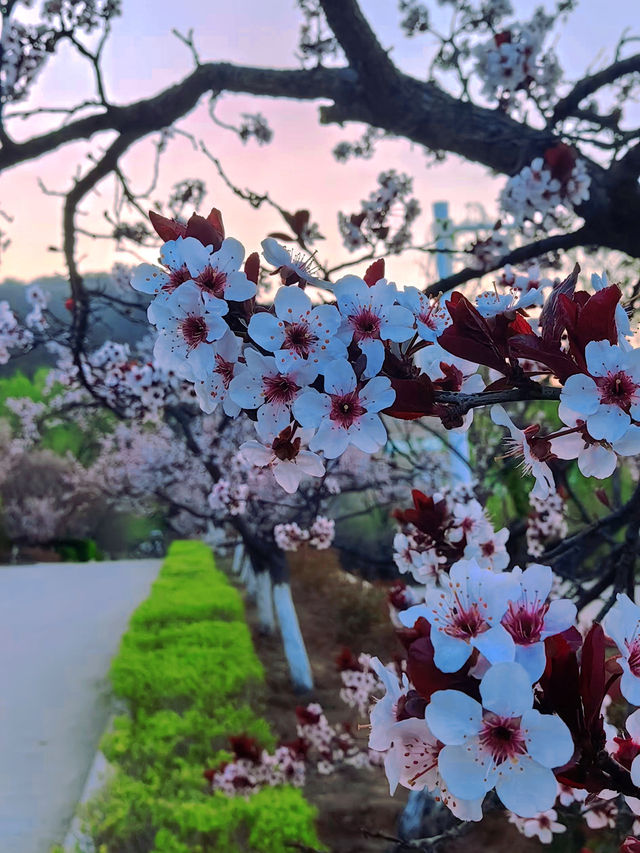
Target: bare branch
[581, 237]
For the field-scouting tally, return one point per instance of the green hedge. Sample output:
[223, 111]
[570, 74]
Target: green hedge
[191, 678]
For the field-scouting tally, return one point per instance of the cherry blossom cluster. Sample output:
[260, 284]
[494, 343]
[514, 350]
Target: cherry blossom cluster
[229, 497]
[359, 681]
[385, 217]
[12, 334]
[485, 254]
[546, 523]
[329, 746]
[23, 54]
[290, 536]
[540, 193]
[318, 746]
[38, 300]
[513, 61]
[315, 378]
[254, 768]
[442, 529]
[479, 634]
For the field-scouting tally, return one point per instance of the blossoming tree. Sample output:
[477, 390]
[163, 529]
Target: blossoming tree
[502, 691]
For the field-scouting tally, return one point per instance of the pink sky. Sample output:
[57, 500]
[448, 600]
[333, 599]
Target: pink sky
[297, 169]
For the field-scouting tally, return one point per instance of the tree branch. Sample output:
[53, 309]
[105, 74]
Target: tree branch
[163, 109]
[588, 85]
[465, 402]
[523, 253]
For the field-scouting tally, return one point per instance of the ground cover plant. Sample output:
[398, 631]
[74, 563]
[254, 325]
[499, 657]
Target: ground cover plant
[190, 682]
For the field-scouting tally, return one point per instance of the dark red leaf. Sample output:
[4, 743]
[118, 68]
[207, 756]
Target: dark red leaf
[252, 267]
[469, 335]
[560, 159]
[375, 272]
[551, 318]
[534, 348]
[592, 674]
[165, 228]
[590, 319]
[204, 231]
[414, 398]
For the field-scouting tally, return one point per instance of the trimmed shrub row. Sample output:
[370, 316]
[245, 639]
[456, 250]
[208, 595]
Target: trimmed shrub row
[191, 678]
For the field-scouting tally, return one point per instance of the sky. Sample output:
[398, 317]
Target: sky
[297, 168]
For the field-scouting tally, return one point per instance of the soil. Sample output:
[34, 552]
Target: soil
[336, 610]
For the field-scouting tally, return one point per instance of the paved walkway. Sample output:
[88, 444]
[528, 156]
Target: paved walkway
[60, 624]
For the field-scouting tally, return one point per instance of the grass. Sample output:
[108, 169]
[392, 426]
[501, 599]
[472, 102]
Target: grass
[191, 678]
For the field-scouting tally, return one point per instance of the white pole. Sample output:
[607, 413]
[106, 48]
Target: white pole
[248, 578]
[264, 601]
[292, 640]
[238, 554]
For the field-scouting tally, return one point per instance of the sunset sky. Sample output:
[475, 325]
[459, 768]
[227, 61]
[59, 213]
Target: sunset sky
[297, 168]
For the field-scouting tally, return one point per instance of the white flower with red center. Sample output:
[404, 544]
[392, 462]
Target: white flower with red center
[542, 826]
[524, 445]
[601, 813]
[285, 454]
[347, 413]
[609, 399]
[412, 761]
[404, 551]
[567, 795]
[178, 256]
[595, 458]
[469, 519]
[269, 387]
[289, 265]
[501, 743]
[465, 615]
[427, 566]
[384, 713]
[299, 331]
[370, 316]
[530, 618]
[213, 389]
[437, 363]
[431, 318]
[488, 548]
[622, 624]
[189, 321]
[219, 273]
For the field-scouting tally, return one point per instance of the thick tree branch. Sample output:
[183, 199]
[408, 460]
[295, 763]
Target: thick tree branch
[588, 85]
[376, 72]
[162, 110]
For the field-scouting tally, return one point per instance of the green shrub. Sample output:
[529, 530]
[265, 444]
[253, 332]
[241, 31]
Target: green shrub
[183, 673]
[187, 669]
[131, 816]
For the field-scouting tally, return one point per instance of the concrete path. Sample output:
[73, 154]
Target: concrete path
[60, 625]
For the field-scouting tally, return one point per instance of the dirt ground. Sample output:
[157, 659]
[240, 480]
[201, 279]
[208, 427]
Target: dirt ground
[335, 612]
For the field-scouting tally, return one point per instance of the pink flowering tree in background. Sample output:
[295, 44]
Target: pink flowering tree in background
[518, 621]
